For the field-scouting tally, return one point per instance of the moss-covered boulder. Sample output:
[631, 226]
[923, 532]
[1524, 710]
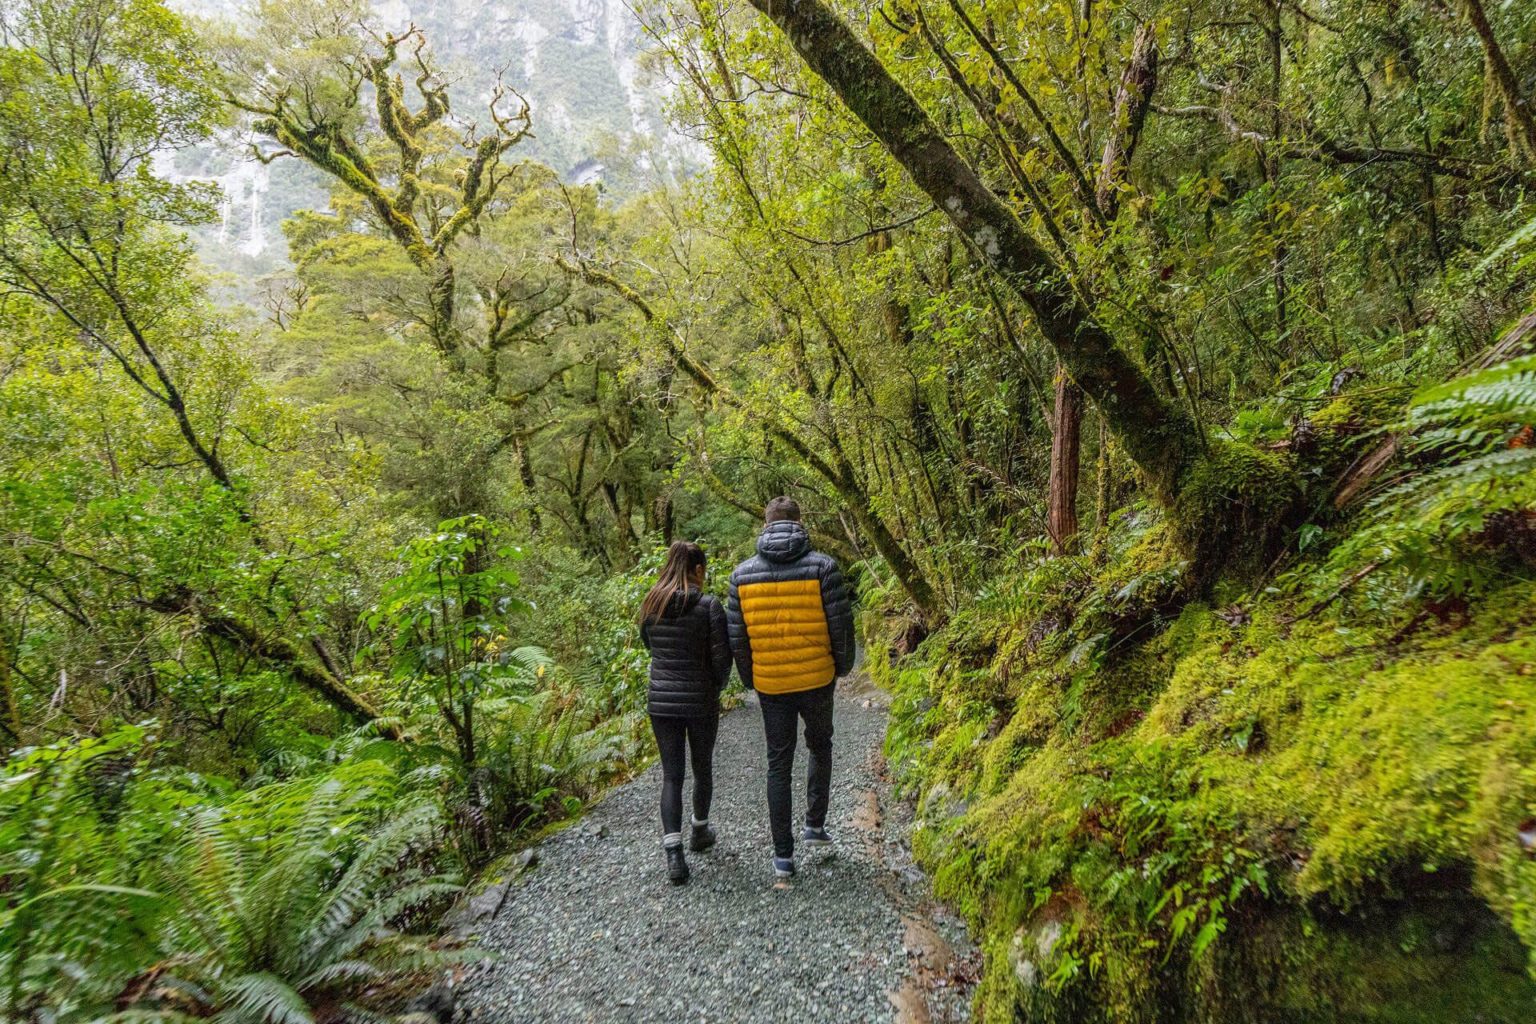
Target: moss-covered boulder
[1283, 814]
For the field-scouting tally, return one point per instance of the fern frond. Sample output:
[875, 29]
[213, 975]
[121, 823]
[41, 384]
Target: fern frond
[262, 998]
[365, 877]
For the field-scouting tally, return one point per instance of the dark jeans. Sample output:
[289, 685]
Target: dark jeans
[681, 740]
[781, 714]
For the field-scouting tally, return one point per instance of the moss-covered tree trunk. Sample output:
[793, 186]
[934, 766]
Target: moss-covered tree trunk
[1156, 434]
[1517, 109]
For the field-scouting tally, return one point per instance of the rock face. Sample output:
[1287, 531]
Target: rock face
[254, 198]
[597, 116]
[577, 62]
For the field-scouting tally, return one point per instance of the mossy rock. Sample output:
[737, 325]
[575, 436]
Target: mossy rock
[1441, 957]
[1345, 792]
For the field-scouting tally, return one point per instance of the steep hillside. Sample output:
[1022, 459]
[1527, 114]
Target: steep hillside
[1304, 796]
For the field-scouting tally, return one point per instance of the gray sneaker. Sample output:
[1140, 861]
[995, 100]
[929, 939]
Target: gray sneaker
[815, 837]
[784, 867]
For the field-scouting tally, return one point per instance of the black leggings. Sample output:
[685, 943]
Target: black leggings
[697, 735]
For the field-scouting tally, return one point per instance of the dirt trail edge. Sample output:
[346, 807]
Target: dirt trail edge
[591, 931]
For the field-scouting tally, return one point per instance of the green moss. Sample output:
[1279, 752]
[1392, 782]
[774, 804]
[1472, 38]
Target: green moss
[1358, 412]
[1228, 820]
[1231, 508]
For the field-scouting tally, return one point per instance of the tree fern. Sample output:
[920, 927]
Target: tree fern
[286, 899]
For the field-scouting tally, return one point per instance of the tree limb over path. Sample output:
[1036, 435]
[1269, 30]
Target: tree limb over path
[1156, 434]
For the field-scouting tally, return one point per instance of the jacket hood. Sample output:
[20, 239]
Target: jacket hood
[783, 542]
[682, 601]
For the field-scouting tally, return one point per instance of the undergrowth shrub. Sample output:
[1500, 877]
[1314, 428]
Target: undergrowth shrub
[76, 832]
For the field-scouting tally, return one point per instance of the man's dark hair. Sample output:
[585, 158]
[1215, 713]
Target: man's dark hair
[781, 509]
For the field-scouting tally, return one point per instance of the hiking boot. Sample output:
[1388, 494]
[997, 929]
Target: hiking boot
[677, 865]
[815, 837]
[784, 867]
[703, 837]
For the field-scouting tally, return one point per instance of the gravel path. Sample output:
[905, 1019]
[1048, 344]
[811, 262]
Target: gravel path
[592, 931]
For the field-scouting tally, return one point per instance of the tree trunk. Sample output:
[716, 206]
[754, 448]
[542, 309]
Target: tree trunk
[530, 485]
[906, 571]
[1132, 101]
[1101, 498]
[1066, 445]
[1517, 110]
[1156, 434]
[1271, 160]
[666, 518]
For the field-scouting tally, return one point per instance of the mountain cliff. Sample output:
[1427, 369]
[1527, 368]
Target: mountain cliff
[597, 115]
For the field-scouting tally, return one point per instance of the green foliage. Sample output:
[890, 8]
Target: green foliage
[1462, 517]
[290, 902]
[547, 753]
[129, 883]
[1252, 810]
[1231, 509]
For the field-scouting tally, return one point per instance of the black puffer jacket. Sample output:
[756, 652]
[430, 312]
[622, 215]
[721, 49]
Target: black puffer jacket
[690, 656]
[790, 617]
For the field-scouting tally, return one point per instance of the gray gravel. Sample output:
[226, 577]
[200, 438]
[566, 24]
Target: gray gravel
[592, 931]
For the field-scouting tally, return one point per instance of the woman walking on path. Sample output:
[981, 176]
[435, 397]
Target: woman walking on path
[684, 629]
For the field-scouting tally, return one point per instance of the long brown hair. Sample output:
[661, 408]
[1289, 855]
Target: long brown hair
[683, 557]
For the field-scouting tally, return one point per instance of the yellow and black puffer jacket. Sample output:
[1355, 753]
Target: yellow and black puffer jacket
[790, 621]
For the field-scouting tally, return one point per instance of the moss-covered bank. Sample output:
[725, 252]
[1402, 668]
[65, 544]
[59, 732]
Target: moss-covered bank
[1269, 806]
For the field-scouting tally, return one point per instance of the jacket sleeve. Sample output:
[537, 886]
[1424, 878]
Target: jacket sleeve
[741, 644]
[719, 645]
[645, 635]
[838, 609]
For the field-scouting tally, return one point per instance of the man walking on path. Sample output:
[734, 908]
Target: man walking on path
[791, 628]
